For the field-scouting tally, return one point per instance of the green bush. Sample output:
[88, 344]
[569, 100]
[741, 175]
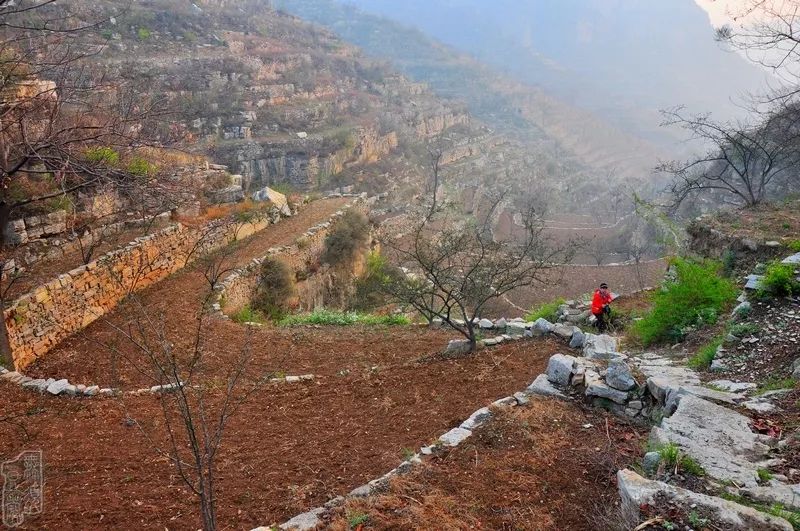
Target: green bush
[794, 245]
[275, 289]
[780, 279]
[695, 297]
[744, 329]
[338, 318]
[102, 155]
[349, 235]
[143, 34]
[371, 287]
[548, 310]
[141, 167]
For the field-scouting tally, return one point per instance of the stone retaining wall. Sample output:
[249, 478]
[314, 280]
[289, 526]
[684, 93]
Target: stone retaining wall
[237, 290]
[38, 320]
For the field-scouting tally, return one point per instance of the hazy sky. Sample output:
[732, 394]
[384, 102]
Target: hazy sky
[719, 10]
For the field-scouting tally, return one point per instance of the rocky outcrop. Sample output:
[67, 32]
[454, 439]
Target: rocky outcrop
[637, 492]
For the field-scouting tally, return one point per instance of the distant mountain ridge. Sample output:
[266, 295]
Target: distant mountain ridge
[622, 59]
[523, 110]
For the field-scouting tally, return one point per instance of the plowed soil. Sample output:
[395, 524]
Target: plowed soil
[290, 446]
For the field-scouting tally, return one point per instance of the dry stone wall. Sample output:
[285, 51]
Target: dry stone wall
[38, 320]
[237, 290]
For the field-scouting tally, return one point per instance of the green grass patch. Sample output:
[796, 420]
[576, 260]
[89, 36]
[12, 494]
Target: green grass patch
[703, 357]
[248, 315]
[672, 457]
[773, 384]
[548, 310]
[694, 297]
[744, 329]
[764, 475]
[338, 318]
[793, 517]
[794, 245]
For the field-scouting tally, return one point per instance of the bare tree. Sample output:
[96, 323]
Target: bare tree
[743, 163]
[457, 267]
[196, 405]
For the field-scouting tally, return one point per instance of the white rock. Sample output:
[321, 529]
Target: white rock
[58, 387]
[455, 436]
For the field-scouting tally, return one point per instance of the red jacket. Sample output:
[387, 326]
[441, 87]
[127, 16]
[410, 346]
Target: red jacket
[599, 300]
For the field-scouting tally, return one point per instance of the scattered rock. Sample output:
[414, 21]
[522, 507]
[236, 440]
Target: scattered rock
[599, 389]
[619, 376]
[577, 339]
[304, 522]
[559, 369]
[455, 436]
[486, 324]
[58, 387]
[542, 386]
[650, 463]
[541, 327]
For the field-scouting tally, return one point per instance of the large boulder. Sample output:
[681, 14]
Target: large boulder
[602, 347]
[559, 369]
[541, 327]
[275, 197]
[619, 376]
[578, 337]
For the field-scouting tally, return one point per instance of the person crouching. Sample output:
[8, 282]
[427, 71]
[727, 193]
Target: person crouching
[601, 308]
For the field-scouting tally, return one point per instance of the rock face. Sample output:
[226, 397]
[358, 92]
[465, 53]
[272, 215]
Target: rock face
[719, 438]
[636, 491]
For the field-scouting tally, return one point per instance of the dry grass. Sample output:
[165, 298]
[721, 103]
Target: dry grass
[532, 468]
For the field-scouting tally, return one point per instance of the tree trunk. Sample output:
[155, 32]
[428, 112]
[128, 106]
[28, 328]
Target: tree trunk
[6, 358]
[5, 217]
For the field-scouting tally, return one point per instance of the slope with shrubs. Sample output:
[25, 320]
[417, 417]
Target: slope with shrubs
[695, 296]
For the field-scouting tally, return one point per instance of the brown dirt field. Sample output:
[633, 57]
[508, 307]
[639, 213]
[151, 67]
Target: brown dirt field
[533, 468]
[290, 447]
[174, 303]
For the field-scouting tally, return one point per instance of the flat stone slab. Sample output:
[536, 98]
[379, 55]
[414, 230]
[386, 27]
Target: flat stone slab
[719, 439]
[636, 491]
[776, 492]
[600, 347]
[477, 419]
[794, 259]
[455, 436]
[732, 387]
[303, 522]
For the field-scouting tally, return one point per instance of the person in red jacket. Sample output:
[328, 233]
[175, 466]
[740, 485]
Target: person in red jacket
[600, 306]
